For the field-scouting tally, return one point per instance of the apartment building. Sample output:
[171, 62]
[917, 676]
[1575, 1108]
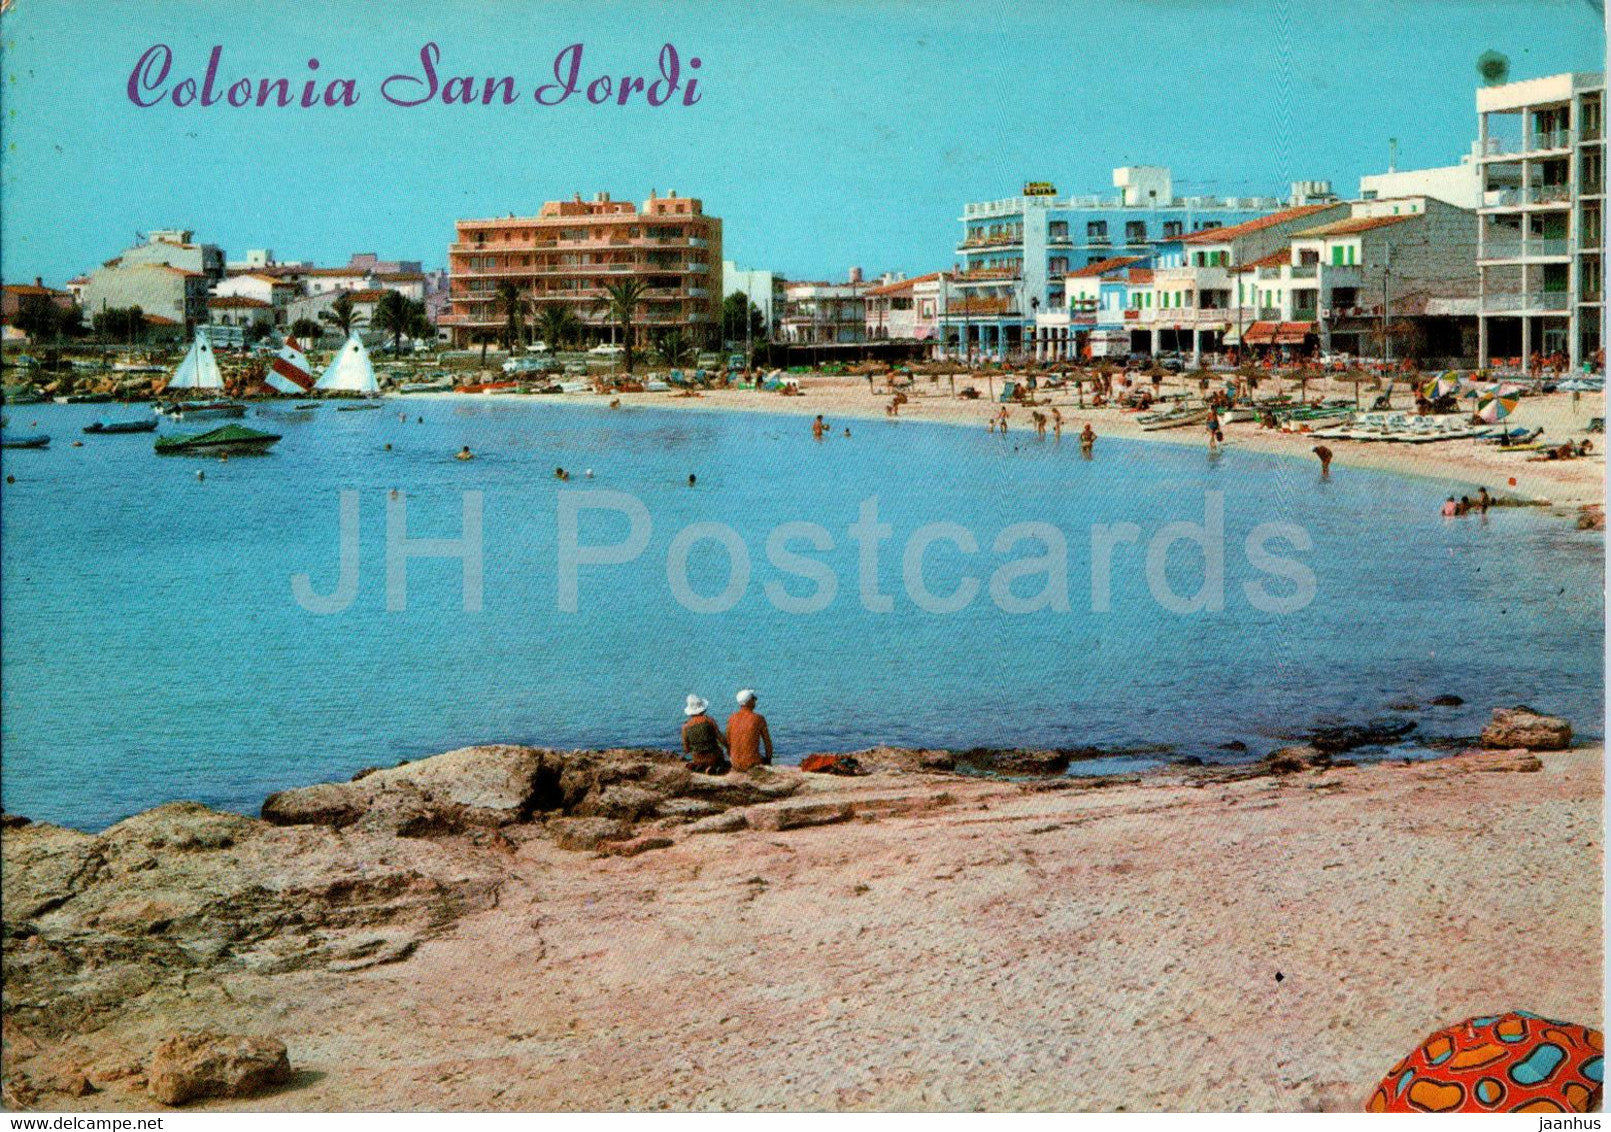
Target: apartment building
[817, 313]
[907, 310]
[1016, 253]
[167, 276]
[1540, 242]
[764, 289]
[571, 249]
[1390, 278]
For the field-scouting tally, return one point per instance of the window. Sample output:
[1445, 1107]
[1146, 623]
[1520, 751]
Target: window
[1135, 231]
[1173, 229]
[1096, 230]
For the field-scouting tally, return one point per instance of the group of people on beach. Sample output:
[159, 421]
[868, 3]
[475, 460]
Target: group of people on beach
[745, 744]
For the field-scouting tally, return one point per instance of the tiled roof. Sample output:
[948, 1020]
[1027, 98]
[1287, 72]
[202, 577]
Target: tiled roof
[228, 301]
[900, 285]
[1274, 259]
[371, 295]
[159, 320]
[1102, 267]
[1141, 275]
[1355, 224]
[400, 276]
[1219, 235]
[32, 289]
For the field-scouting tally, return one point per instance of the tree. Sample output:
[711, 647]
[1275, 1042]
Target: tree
[401, 317]
[558, 324]
[734, 309]
[675, 348]
[343, 314]
[258, 331]
[123, 324]
[307, 329]
[620, 305]
[39, 317]
[514, 315]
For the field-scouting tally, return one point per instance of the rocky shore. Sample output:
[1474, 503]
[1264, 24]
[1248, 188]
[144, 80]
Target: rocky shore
[516, 927]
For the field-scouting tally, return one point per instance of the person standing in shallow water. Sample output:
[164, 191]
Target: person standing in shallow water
[702, 740]
[747, 733]
[1324, 455]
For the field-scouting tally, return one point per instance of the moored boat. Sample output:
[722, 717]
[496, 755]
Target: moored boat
[40, 441]
[109, 427]
[230, 438]
[182, 409]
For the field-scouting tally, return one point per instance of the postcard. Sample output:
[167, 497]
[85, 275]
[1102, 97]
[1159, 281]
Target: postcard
[566, 557]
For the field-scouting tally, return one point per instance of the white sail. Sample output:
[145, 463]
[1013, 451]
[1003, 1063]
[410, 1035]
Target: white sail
[349, 371]
[199, 370]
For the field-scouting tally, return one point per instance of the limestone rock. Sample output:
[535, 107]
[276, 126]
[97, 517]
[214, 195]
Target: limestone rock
[1335, 740]
[744, 788]
[624, 801]
[907, 760]
[795, 815]
[191, 1066]
[633, 846]
[583, 834]
[1523, 727]
[685, 809]
[729, 822]
[1021, 761]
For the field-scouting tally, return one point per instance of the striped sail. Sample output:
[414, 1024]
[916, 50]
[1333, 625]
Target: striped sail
[199, 370]
[289, 372]
[349, 371]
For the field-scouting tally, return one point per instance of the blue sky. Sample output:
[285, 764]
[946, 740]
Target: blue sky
[827, 133]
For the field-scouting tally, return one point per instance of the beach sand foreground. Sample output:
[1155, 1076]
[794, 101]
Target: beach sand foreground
[1190, 939]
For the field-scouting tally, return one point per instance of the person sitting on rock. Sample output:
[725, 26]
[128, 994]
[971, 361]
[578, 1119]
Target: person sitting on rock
[747, 733]
[702, 740]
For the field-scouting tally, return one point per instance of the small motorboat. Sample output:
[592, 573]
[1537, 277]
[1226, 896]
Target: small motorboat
[305, 407]
[445, 385]
[230, 438]
[83, 399]
[363, 406]
[182, 409]
[40, 441]
[109, 427]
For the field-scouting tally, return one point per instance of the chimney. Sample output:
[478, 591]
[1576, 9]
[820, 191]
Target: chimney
[855, 275]
[39, 280]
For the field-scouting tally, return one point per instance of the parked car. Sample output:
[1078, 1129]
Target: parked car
[606, 350]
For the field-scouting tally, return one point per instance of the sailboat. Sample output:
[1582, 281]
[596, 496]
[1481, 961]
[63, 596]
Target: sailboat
[350, 371]
[289, 372]
[199, 371]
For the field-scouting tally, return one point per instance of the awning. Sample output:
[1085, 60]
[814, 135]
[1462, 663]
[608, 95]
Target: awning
[1293, 333]
[1261, 334]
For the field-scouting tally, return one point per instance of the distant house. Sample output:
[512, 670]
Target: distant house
[16, 295]
[238, 310]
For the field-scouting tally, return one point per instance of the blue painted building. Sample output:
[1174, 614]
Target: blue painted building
[1015, 253]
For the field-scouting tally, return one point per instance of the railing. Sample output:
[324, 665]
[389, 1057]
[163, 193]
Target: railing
[1269, 273]
[1305, 270]
[1269, 314]
[1529, 143]
[1538, 194]
[976, 274]
[1525, 249]
[1528, 301]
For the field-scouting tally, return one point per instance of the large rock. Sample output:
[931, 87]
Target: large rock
[585, 834]
[191, 1066]
[1023, 761]
[473, 786]
[1524, 727]
[1378, 733]
[796, 815]
[745, 788]
[907, 760]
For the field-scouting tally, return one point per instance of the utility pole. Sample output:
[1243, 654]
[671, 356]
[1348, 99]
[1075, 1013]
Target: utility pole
[1387, 345]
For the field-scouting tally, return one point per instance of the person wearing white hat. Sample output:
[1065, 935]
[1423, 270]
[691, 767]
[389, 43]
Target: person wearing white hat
[747, 733]
[702, 740]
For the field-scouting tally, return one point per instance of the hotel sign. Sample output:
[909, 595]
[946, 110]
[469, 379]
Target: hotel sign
[1039, 189]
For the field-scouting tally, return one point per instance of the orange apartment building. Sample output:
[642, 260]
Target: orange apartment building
[572, 248]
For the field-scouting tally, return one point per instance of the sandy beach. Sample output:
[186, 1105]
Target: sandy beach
[1189, 939]
[1566, 485]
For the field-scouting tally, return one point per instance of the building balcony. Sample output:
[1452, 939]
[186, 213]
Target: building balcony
[1304, 270]
[990, 274]
[1527, 301]
[1522, 198]
[1543, 141]
[1540, 248]
[1268, 314]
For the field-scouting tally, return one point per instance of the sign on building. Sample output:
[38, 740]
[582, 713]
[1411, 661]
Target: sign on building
[1039, 189]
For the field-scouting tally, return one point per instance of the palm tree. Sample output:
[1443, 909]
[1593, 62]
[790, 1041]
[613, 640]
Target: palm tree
[514, 315]
[558, 324]
[620, 304]
[342, 314]
[401, 317]
[674, 348]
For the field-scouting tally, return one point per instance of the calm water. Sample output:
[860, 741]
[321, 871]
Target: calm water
[153, 649]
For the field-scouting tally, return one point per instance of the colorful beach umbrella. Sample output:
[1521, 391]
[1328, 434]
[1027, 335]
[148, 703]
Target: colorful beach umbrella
[1516, 1062]
[1492, 407]
[1442, 385]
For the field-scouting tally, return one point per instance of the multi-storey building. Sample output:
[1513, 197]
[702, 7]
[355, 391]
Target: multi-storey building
[571, 249]
[1193, 306]
[1015, 253]
[820, 313]
[1540, 240]
[907, 310]
[1385, 278]
[167, 277]
[764, 289]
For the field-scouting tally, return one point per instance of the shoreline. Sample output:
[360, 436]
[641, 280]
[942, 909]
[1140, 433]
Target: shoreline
[1563, 486]
[910, 938]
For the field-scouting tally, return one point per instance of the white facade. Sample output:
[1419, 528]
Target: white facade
[761, 287]
[1459, 184]
[1542, 232]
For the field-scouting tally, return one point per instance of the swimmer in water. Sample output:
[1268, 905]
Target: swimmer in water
[692, 479]
[465, 454]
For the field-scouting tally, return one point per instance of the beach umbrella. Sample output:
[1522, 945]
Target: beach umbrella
[1445, 383]
[1515, 1062]
[1492, 407]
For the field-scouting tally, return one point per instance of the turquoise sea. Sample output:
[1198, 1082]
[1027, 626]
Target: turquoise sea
[153, 648]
